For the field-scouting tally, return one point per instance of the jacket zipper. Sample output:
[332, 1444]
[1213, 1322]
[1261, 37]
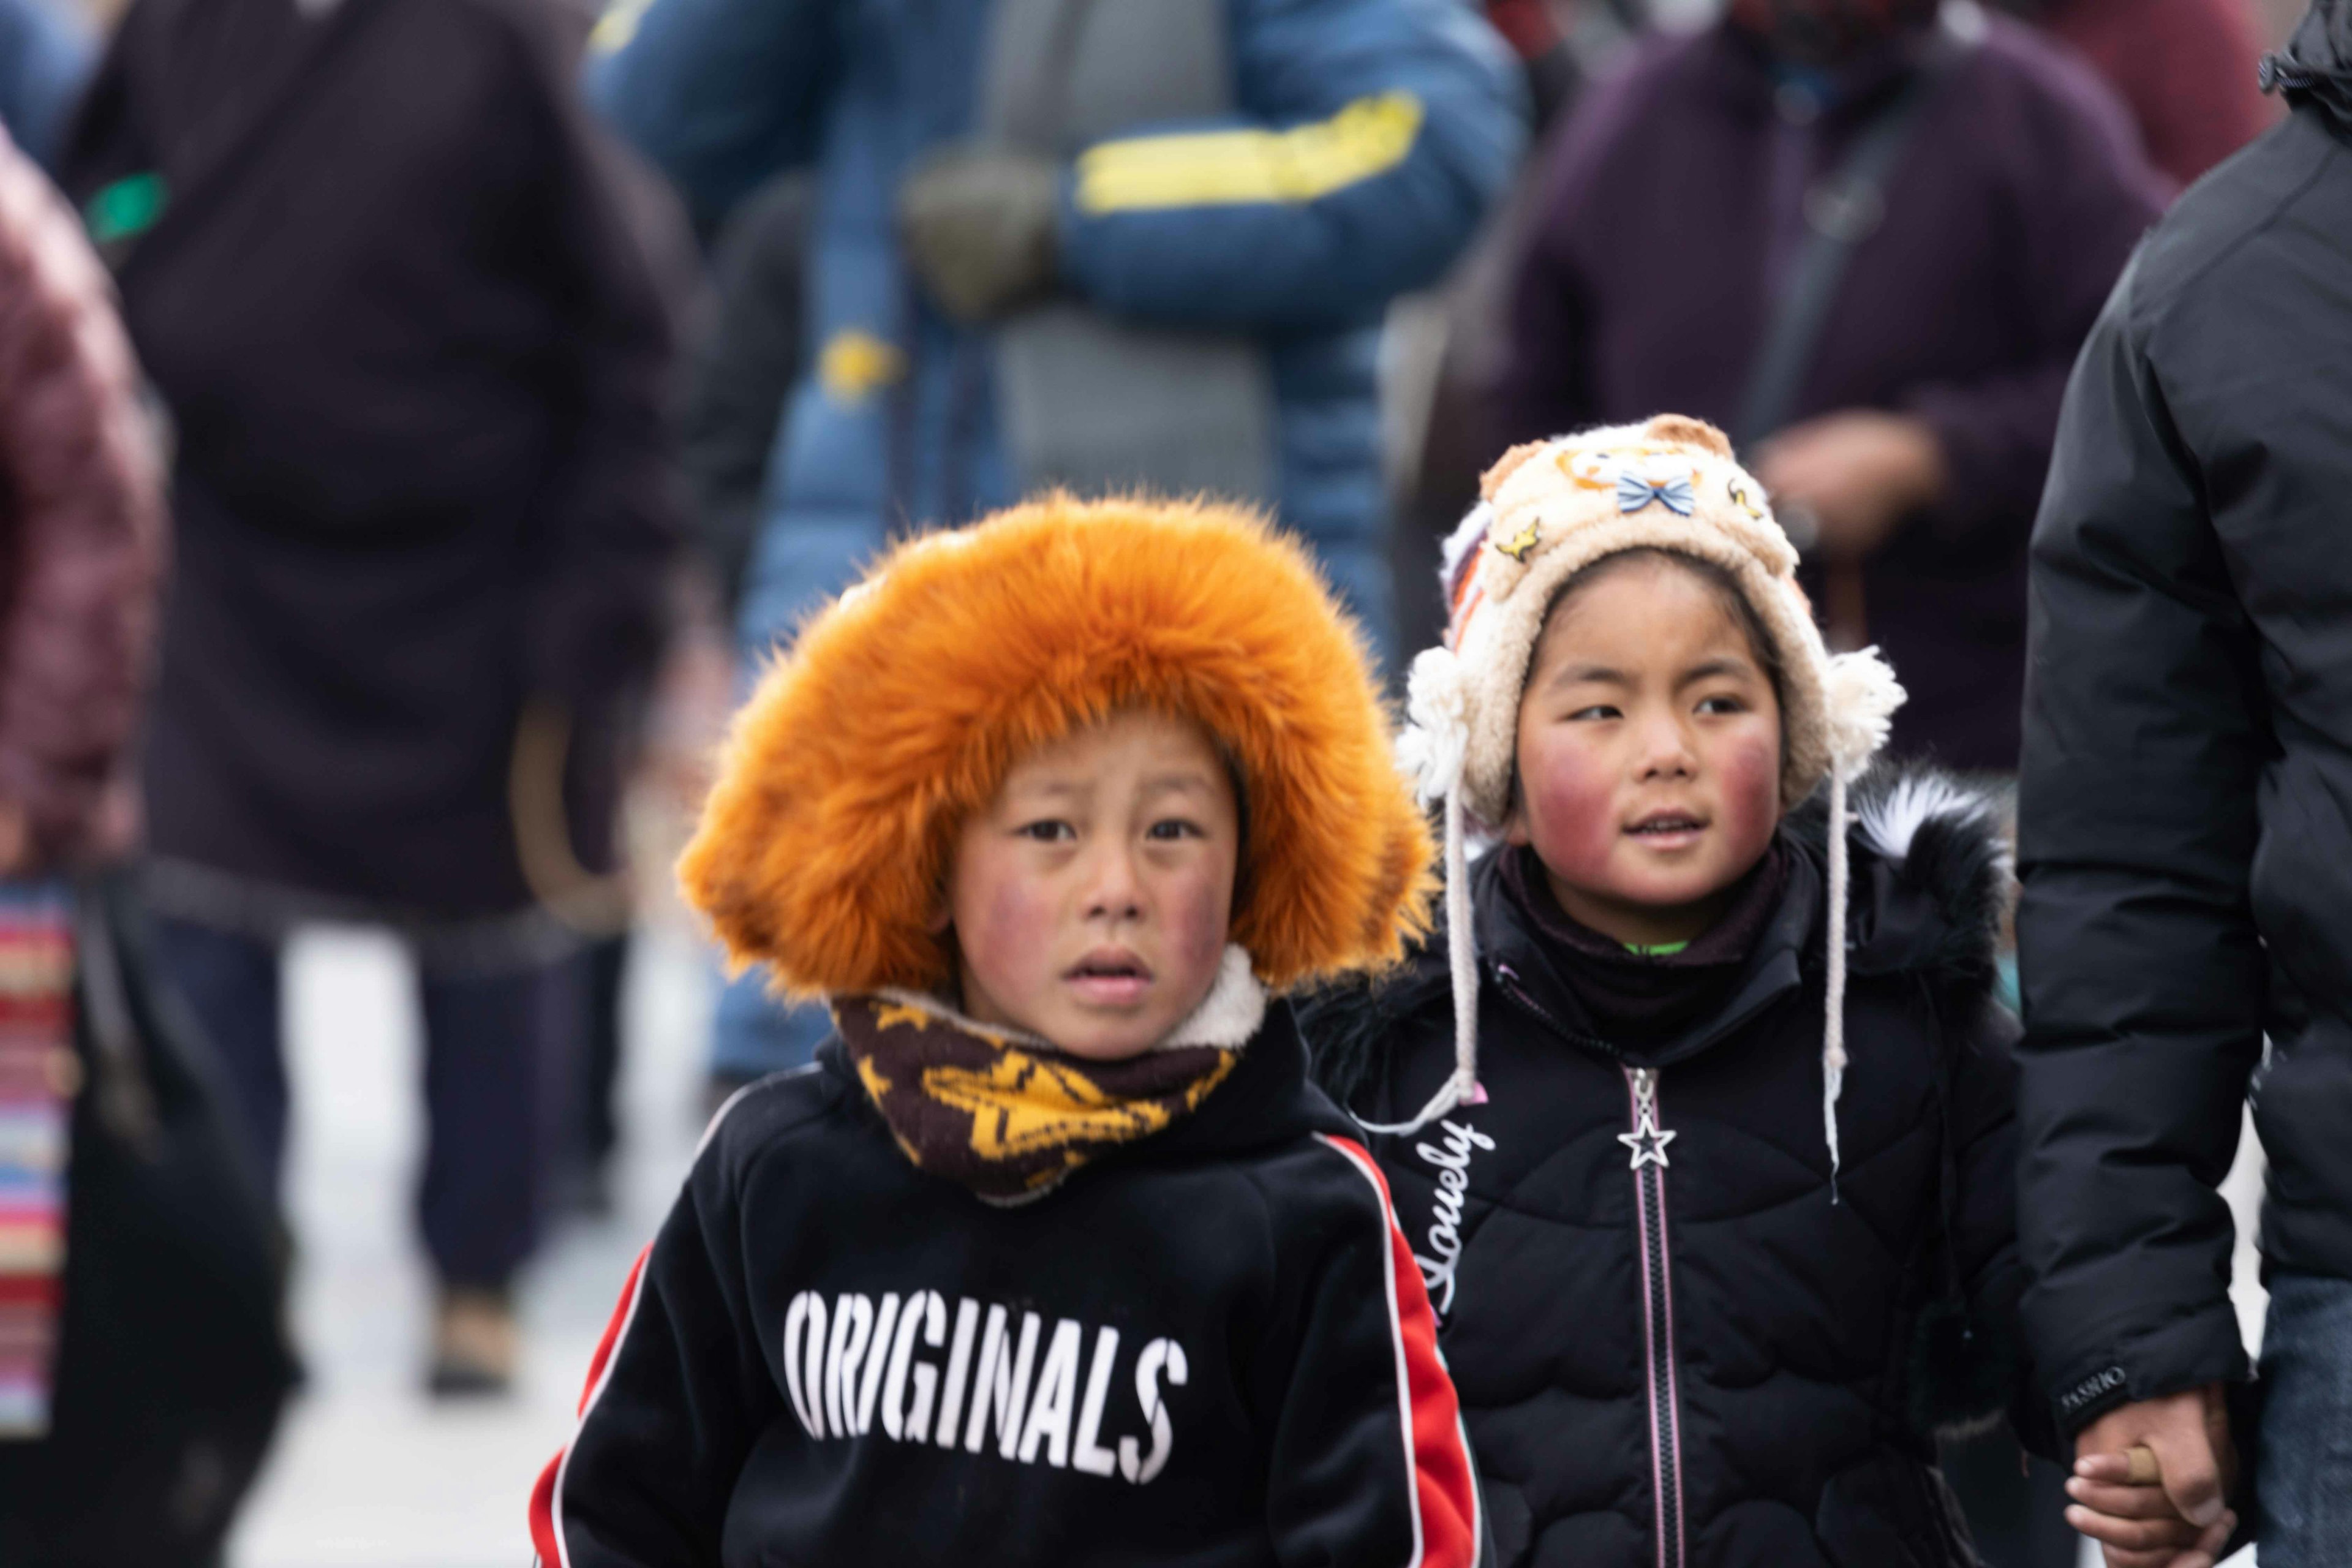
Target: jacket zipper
[1648, 1142]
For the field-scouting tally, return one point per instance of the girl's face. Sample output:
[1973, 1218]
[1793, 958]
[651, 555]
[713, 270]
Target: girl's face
[1649, 753]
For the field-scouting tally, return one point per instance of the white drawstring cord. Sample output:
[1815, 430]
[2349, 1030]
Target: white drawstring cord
[1462, 955]
[1833, 999]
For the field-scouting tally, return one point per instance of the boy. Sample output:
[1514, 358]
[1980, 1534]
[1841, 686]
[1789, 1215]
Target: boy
[1052, 1256]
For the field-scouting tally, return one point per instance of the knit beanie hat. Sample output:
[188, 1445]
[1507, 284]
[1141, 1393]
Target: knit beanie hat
[1550, 508]
[823, 847]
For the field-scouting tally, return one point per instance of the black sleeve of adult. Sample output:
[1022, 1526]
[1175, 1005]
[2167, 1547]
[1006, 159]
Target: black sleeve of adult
[2143, 973]
[676, 1396]
[611, 515]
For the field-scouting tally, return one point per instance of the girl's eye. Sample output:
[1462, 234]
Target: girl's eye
[1722, 705]
[1173, 828]
[1597, 710]
[1051, 831]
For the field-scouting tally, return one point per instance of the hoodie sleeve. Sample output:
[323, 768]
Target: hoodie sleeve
[2144, 971]
[1369, 1463]
[678, 1394]
[1372, 137]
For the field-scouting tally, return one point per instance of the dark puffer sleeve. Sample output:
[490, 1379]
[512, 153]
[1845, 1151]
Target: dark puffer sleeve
[1984, 1219]
[1369, 1465]
[2143, 974]
[676, 1395]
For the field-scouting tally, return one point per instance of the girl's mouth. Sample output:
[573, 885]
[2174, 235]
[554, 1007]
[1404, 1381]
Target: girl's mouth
[1668, 824]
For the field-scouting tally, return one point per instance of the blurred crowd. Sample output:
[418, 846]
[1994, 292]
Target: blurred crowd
[478, 370]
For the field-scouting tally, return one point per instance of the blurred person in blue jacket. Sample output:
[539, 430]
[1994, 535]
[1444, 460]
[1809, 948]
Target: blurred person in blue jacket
[47, 54]
[1098, 242]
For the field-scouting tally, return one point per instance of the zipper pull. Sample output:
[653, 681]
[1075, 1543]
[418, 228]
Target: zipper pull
[1648, 1141]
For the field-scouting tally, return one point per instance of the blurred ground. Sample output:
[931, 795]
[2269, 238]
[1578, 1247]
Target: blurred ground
[369, 1473]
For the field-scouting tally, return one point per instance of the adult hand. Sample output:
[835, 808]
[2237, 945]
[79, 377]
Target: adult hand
[1859, 473]
[2181, 1520]
[977, 222]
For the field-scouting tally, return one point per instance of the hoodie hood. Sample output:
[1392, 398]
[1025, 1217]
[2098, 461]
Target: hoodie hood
[2315, 67]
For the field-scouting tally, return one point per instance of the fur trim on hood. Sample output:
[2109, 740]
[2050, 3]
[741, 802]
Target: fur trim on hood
[823, 846]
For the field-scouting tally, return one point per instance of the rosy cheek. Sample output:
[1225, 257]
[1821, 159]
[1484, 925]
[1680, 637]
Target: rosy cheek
[1199, 920]
[1751, 804]
[998, 931]
[1567, 800]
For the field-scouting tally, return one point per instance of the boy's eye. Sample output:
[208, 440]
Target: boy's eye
[1053, 830]
[1722, 705]
[1173, 828]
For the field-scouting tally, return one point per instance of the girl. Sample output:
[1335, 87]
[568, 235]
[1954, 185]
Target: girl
[1700, 1123]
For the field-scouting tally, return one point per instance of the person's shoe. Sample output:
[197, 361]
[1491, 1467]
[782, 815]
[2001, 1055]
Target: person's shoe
[474, 1345]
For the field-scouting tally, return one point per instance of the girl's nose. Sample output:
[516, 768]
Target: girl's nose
[1666, 749]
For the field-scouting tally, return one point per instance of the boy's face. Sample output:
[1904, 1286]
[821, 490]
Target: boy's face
[1090, 900]
[1649, 753]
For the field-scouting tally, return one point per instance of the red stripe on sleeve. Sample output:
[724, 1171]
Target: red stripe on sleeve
[1445, 1492]
[546, 1537]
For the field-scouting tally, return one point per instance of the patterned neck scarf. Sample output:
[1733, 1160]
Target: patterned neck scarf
[1009, 1115]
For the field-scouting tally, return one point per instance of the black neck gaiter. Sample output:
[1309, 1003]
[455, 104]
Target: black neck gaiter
[1637, 998]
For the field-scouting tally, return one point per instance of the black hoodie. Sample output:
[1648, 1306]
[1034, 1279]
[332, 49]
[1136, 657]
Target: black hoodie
[2184, 833]
[1708, 1359]
[1207, 1348]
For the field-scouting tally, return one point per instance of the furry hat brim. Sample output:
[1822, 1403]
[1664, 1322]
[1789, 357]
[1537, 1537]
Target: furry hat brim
[823, 846]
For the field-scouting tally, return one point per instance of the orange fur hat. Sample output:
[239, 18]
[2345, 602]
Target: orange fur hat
[824, 844]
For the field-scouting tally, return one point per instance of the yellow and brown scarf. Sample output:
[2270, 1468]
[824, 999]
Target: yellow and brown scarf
[1005, 1113]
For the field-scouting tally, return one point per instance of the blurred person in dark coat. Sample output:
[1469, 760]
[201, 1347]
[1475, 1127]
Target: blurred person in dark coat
[2186, 69]
[377, 259]
[1676, 203]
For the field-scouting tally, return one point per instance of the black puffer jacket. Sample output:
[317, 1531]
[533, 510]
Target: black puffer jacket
[2185, 835]
[1710, 1362]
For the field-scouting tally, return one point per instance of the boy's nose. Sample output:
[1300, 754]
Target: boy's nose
[1113, 891]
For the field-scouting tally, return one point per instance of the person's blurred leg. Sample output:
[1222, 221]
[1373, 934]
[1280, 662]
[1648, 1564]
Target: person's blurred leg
[597, 1122]
[499, 1047]
[230, 981]
[2304, 1471]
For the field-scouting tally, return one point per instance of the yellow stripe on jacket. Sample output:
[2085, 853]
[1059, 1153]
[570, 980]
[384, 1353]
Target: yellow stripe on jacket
[1238, 168]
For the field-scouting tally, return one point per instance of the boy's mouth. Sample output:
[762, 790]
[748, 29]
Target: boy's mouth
[1110, 977]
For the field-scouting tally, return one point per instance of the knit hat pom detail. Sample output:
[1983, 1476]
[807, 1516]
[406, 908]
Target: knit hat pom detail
[1437, 729]
[1860, 697]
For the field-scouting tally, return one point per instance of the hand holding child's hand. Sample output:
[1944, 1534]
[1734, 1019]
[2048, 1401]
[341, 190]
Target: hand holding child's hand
[2181, 1517]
